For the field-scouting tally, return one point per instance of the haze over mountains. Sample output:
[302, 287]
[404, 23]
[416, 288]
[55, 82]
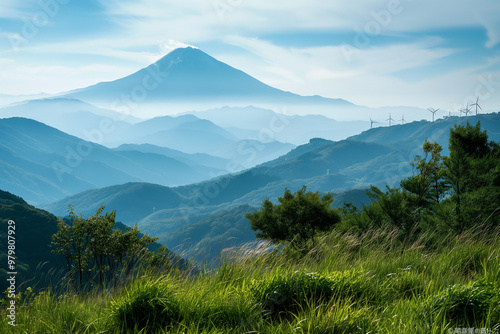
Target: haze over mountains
[6, 99]
[72, 116]
[112, 128]
[267, 124]
[190, 134]
[42, 164]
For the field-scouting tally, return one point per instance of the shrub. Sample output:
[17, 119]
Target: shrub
[464, 305]
[286, 293]
[222, 316]
[297, 219]
[146, 305]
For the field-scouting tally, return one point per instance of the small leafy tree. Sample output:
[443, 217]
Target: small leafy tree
[398, 209]
[296, 219]
[71, 242]
[428, 184]
[95, 253]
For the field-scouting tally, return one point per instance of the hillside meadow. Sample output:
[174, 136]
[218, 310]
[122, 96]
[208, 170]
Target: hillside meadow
[349, 283]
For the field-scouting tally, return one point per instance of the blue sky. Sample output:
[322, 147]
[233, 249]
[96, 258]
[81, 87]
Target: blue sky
[378, 53]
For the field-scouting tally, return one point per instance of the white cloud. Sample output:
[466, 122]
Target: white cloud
[493, 30]
[34, 79]
[100, 47]
[13, 8]
[198, 20]
[329, 62]
[167, 46]
[13, 36]
[369, 78]
[5, 62]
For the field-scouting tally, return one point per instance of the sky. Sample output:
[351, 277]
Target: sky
[440, 54]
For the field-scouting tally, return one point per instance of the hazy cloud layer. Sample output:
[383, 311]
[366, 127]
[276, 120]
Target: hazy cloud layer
[396, 52]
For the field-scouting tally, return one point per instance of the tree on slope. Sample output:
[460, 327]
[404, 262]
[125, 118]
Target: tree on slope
[296, 219]
[428, 184]
[472, 170]
[94, 253]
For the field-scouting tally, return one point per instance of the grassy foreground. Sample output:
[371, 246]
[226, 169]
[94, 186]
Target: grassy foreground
[364, 283]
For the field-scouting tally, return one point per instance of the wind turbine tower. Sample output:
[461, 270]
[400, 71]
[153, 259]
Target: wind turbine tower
[477, 105]
[390, 119]
[466, 110]
[403, 120]
[372, 122]
[433, 111]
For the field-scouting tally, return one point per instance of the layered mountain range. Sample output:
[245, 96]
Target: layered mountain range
[379, 156]
[186, 146]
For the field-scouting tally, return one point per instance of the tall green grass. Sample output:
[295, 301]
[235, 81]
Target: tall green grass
[349, 283]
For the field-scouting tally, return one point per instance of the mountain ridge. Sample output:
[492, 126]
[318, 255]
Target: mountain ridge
[42, 164]
[322, 162]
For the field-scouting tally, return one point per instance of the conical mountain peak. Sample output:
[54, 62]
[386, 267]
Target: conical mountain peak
[186, 53]
[189, 78]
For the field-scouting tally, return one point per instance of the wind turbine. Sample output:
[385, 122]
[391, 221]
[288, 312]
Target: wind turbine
[433, 111]
[390, 119]
[372, 122]
[477, 105]
[466, 110]
[403, 120]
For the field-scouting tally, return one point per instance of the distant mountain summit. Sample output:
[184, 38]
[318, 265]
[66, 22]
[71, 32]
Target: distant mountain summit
[189, 71]
[189, 76]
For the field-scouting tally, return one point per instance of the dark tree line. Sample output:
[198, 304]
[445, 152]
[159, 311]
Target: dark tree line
[454, 192]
